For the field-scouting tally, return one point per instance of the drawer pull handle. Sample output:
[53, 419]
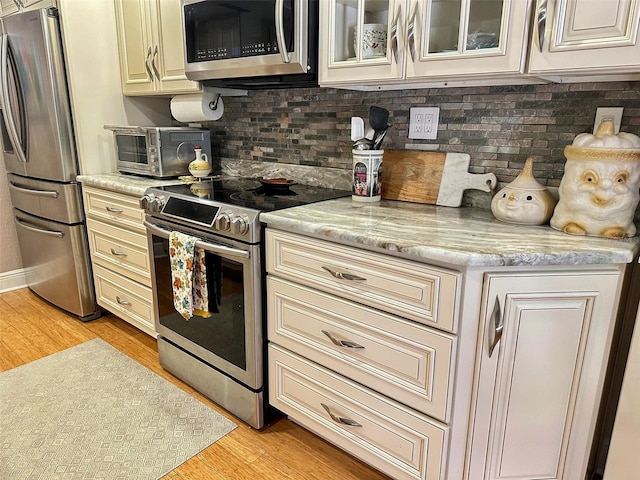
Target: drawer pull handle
[342, 275]
[111, 209]
[123, 302]
[341, 343]
[117, 253]
[337, 419]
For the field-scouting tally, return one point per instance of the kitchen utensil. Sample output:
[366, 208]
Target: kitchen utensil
[357, 128]
[378, 118]
[363, 144]
[377, 141]
[431, 177]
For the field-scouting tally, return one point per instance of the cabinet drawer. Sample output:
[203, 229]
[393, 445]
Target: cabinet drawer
[123, 210]
[407, 361]
[389, 436]
[128, 300]
[403, 287]
[122, 251]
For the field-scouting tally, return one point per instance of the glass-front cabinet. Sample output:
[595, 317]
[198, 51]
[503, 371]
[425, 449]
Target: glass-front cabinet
[361, 40]
[418, 40]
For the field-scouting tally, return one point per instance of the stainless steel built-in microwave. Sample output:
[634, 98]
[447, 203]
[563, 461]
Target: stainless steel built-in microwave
[251, 43]
[159, 152]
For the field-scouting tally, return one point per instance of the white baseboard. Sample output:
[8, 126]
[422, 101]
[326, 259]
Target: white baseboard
[12, 280]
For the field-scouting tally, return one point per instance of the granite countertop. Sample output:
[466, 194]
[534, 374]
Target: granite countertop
[457, 236]
[127, 184]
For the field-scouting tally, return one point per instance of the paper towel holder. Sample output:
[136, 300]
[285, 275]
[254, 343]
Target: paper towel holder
[213, 104]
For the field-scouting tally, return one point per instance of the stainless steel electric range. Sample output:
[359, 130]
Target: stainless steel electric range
[222, 356]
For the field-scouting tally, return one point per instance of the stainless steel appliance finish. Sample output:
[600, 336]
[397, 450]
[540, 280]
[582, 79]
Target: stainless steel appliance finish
[40, 156]
[251, 43]
[159, 152]
[222, 356]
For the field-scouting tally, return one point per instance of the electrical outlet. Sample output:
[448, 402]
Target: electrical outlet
[423, 122]
[613, 114]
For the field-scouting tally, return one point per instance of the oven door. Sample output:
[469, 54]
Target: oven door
[245, 38]
[231, 338]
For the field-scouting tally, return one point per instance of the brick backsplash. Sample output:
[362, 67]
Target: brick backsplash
[499, 127]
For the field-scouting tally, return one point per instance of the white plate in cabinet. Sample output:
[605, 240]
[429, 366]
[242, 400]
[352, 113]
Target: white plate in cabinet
[114, 207]
[389, 436]
[122, 251]
[410, 289]
[126, 299]
[407, 361]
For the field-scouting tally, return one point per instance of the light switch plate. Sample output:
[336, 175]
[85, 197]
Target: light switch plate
[613, 114]
[423, 122]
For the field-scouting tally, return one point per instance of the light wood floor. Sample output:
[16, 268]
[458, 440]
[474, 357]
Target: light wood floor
[31, 328]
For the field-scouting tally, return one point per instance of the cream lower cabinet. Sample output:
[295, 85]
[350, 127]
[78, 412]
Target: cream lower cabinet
[120, 256]
[543, 349]
[347, 363]
[430, 373]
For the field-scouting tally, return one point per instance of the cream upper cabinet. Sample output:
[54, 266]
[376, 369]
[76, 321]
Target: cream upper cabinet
[413, 41]
[543, 348]
[585, 37]
[9, 7]
[151, 47]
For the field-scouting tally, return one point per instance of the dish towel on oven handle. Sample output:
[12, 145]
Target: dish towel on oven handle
[188, 276]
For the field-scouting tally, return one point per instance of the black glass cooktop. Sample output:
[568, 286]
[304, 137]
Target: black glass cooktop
[251, 193]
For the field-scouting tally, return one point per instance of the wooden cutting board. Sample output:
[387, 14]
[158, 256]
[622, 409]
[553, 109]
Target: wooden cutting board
[430, 177]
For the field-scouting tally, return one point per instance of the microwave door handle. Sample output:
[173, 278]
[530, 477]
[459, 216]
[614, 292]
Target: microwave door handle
[7, 109]
[210, 247]
[282, 44]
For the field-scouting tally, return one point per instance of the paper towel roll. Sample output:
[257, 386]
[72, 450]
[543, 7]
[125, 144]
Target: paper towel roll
[196, 108]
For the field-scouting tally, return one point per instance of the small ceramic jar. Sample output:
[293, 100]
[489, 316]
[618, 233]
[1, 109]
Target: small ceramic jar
[524, 201]
[599, 191]
[200, 167]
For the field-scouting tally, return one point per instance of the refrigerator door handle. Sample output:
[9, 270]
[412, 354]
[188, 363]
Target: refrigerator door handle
[7, 111]
[53, 233]
[31, 191]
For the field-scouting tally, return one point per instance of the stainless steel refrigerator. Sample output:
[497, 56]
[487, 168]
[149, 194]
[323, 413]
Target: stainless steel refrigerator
[40, 156]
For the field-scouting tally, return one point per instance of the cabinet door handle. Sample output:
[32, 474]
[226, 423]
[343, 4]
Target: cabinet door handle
[342, 275]
[126, 303]
[153, 62]
[542, 22]
[146, 64]
[341, 343]
[411, 31]
[498, 324]
[118, 253]
[111, 209]
[337, 419]
[394, 34]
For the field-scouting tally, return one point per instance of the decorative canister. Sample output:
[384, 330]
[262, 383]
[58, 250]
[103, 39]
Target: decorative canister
[524, 201]
[367, 175]
[599, 191]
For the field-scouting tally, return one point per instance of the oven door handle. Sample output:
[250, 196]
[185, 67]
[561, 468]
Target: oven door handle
[209, 247]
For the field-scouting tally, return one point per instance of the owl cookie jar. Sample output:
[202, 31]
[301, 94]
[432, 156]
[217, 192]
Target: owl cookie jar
[524, 201]
[599, 191]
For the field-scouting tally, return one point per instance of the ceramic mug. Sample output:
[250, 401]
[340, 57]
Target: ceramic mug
[374, 40]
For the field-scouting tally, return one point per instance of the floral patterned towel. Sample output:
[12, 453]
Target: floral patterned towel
[188, 276]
